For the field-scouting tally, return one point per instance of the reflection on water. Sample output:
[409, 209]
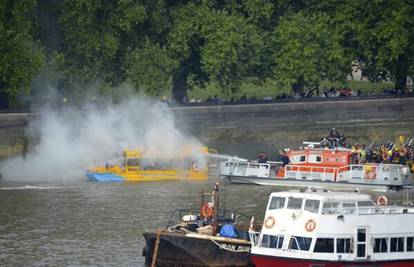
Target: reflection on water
[100, 224]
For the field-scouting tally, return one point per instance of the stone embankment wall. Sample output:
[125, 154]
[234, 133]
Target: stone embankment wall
[245, 130]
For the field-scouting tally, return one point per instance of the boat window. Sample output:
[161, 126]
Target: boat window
[381, 245]
[330, 207]
[366, 204]
[299, 158]
[132, 162]
[294, 203]
[271, 241]
[324, 245]
[348, 208]
[277, 203]
[357, 167]
[397, 244]
[410, 243]
[315, 159]
[300, 243]
[312, 205]
[343, 245]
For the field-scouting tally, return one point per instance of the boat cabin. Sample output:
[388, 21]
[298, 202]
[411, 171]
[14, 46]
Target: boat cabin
[334, 226]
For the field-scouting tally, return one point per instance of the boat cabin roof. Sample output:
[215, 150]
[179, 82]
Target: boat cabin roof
[325, 195]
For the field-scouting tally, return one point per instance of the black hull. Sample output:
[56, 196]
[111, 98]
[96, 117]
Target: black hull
[180, 250]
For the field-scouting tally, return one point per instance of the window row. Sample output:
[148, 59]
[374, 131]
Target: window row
[393, 244]
[322, 245]
[312, 205]
[343, 245]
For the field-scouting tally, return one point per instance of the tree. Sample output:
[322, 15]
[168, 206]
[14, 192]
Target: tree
[384, 30]
[21, 57]
[150, 68]
[99, 35]
[378, 34]
[212, 46]
[307, 51]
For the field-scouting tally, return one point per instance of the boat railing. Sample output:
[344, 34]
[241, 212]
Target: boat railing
[310, 172]
[368, 210]
[367, 172]
[223, 215]
[251, 168]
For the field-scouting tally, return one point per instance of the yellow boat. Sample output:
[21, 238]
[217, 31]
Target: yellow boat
[135, 166]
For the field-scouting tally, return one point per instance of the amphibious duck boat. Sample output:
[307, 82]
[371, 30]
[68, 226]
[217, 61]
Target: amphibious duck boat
[333, 229]
[208, 236]
[136, 166]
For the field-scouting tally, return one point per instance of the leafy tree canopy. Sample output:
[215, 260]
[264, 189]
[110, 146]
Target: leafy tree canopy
[21, 57]
[307, 51]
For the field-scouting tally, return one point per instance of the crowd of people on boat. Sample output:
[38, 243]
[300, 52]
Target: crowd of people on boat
[399, 152]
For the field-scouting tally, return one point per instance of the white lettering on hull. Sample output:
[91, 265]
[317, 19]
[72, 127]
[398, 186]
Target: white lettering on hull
[235, 248]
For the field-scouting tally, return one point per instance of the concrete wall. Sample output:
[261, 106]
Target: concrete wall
[246, 130]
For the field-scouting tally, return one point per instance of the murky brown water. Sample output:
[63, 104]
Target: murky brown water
[100, 224]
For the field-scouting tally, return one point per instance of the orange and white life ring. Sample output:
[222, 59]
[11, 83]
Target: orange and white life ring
[269, 222]
[207, 211]
[310, 225]
[382, 201]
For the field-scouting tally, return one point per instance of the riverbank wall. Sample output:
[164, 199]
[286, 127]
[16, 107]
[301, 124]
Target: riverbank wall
[248, 129]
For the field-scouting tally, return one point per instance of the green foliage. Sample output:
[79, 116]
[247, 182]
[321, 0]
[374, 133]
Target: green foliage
[222, 46]
[307, 51]
[21, 57]
[229, 48]
[150, 68]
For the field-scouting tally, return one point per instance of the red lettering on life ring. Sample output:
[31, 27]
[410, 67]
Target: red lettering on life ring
[207, 211]
[382, 201]
[269, 222]
[310, 225]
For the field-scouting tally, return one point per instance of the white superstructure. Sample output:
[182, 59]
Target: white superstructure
[333, 226]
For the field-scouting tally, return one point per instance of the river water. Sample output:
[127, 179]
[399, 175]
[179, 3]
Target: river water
[100, 224]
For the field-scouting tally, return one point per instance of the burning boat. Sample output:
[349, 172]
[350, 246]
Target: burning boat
[136, 166]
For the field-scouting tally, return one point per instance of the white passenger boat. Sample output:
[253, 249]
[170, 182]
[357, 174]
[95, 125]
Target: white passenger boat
[333, 229]
[319, 167]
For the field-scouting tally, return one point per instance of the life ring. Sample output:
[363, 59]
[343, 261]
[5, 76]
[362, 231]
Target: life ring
[207, 211]
[310, 225]
[269, 222]
[382, 201]
[195, 166]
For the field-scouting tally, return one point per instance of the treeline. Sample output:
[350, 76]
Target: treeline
[162, 46]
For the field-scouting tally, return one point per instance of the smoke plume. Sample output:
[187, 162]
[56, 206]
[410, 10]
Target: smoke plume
[74, 139]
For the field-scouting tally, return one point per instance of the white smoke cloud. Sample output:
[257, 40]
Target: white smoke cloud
[75, 139]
